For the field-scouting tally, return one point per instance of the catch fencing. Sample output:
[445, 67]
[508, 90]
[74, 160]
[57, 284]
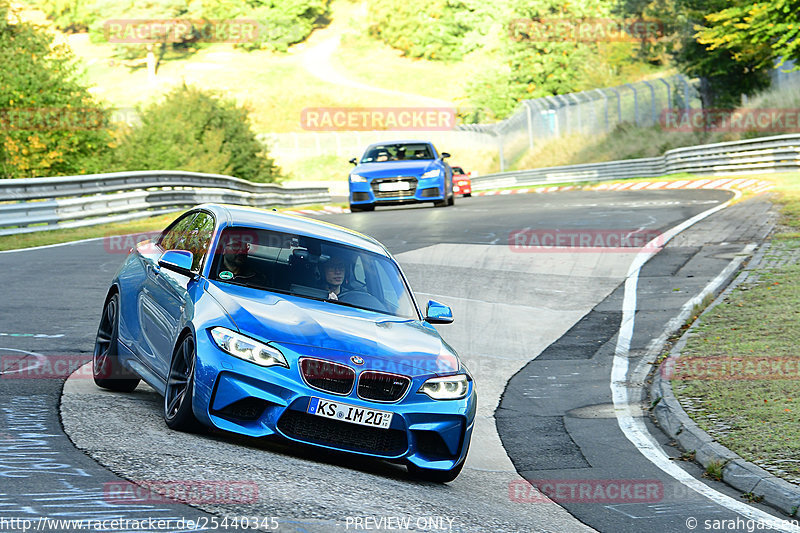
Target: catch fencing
[36, 204]
[592, 112]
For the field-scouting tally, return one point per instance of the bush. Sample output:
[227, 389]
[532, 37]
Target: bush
[50, 124]
[281, 22]
[195, 131]
[431, 29]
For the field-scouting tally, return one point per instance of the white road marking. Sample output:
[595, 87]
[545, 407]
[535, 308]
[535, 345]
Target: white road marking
[633, 427]
[40, 359]
[51, 245]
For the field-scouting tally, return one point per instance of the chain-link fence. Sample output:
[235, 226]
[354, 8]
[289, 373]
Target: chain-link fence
[588, 112]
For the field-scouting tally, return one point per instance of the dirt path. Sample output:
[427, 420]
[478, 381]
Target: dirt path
[317, 59]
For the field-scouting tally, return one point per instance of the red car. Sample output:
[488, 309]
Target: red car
[461, 183]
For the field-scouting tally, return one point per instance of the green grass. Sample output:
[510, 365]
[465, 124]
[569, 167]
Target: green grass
[319, 168]
[754, 412]
[58, 236]
[42, 238]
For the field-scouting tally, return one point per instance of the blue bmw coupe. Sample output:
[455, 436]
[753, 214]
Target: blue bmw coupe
[264, 324]
[400, 172]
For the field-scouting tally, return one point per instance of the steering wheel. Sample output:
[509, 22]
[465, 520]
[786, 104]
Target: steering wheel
[362, 299]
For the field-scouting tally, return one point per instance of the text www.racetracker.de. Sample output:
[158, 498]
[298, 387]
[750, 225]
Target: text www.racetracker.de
[137, 524]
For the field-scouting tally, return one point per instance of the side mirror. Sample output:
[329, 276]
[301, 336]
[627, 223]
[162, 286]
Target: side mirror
[437, 313]
[445, 155]
[179, 261]
[353, 161]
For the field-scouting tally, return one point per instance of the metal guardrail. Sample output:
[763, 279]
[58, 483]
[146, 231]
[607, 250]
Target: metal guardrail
[780, 153]
[36, 204]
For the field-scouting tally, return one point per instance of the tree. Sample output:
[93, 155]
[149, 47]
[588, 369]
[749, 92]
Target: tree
[196, 131]
[540, 57]
[432, 29]
[757, 33]
[157, 27]
[725, 73]
[49, 122]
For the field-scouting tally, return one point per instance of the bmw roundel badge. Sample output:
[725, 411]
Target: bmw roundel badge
[357, 360]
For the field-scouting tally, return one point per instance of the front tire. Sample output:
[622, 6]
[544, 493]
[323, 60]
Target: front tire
[178, 395]
[357, 208]
[107, 370]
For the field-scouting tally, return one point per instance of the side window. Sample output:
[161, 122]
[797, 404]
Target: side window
[175, 237]
[198, 238]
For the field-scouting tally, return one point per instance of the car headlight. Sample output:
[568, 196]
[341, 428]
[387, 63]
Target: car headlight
[246, 348]
[432, 173]
[446, 388]
[357, 178]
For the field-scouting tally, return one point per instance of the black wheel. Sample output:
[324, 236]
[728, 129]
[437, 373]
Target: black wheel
[468, 195]
[452, 199]
[107, 371]
[178, 412]
[437, 476]
[357, 208]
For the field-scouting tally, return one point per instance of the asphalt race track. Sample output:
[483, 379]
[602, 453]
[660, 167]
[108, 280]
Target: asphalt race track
[539, 330]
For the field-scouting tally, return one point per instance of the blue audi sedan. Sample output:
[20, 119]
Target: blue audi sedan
[400, 172]
[264, 324]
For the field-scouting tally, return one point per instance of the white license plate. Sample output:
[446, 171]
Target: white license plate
[394, 186]
[350, 413]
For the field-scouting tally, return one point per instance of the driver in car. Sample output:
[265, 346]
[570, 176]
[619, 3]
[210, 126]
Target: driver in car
[333, 273]
[234, 263]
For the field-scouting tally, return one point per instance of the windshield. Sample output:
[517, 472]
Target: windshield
[397, 152]
[457, 170]
[311, 268]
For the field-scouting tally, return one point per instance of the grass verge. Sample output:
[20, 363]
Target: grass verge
[59, 236]
[739, 381]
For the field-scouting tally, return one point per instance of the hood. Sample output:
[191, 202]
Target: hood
[317, 328]
[391, 169]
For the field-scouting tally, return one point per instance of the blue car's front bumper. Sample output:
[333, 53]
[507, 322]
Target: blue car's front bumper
[243, 398]
[422, 190]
